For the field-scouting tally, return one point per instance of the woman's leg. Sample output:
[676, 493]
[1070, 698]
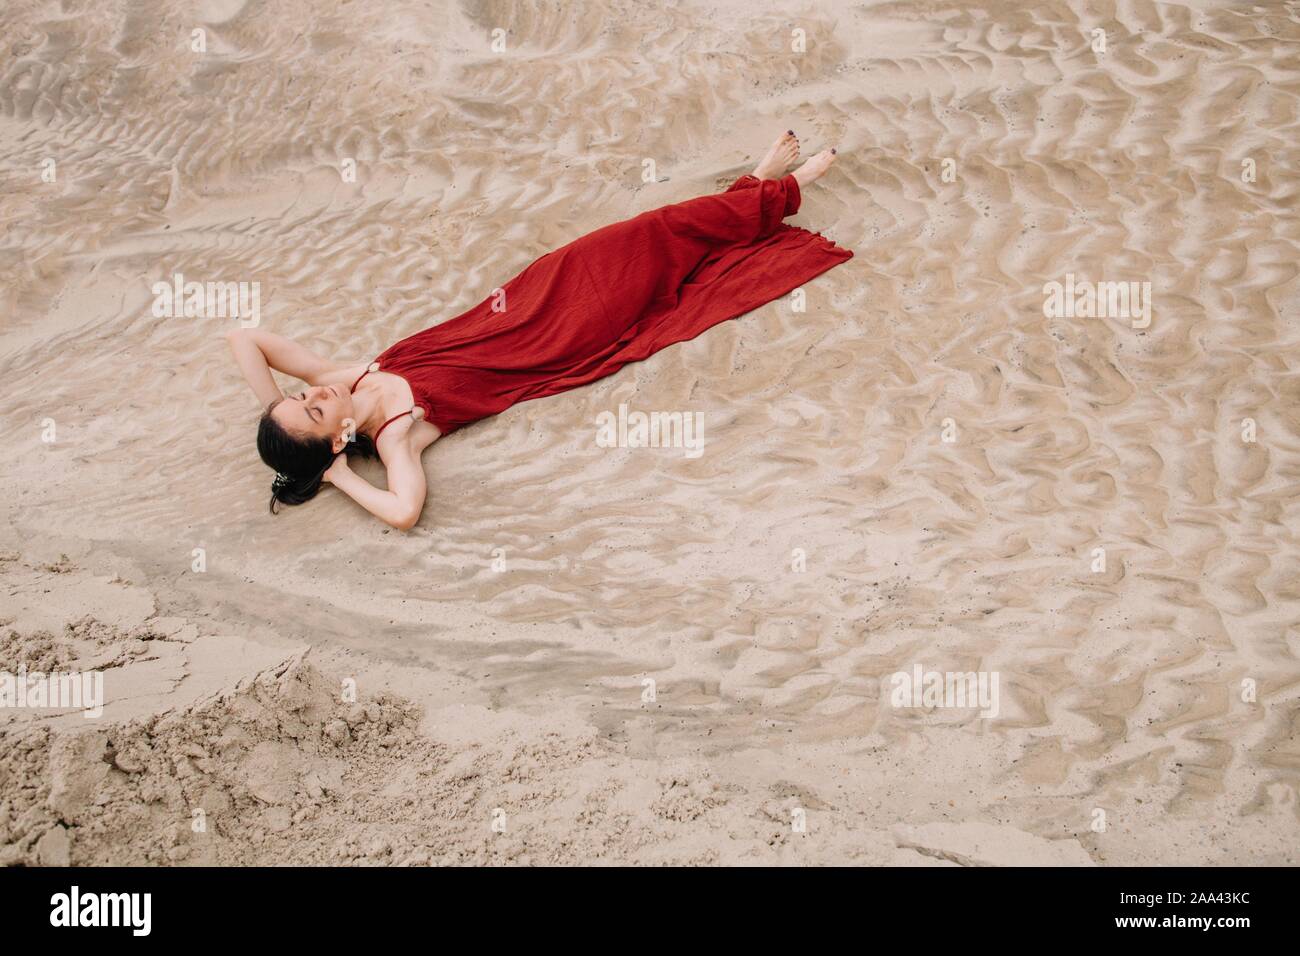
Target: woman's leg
[637, 262]
[749, 210]
[746, 212]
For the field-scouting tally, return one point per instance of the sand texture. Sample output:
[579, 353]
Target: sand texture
[631, 655]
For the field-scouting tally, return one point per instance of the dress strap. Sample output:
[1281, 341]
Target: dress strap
[372, 367]
[389, 422]
[415, 411]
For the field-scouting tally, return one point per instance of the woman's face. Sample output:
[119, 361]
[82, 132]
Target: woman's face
[323, 411]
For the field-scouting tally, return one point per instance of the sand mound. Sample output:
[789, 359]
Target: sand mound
[222, 781]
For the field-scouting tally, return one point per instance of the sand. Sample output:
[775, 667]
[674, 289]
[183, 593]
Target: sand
[828, 535]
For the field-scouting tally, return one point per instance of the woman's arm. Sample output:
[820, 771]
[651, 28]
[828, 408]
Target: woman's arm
[257, 351]
[401, 504]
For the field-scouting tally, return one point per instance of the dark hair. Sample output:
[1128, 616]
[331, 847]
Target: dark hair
[300, 461]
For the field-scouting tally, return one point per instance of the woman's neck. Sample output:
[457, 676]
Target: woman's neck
[373, 404]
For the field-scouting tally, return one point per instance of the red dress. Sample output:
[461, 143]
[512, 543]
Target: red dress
[616, 295]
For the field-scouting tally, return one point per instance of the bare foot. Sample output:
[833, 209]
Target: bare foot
[779, 158]
[814, 168]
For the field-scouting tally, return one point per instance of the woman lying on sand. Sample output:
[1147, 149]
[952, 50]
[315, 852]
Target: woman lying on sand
[577, 314]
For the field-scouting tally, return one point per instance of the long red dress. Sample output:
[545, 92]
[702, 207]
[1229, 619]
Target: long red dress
[616, 295]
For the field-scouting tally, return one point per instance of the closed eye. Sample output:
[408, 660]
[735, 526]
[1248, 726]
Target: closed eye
[314, 413]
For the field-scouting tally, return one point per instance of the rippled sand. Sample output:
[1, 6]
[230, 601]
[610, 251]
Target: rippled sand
[828, 536]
